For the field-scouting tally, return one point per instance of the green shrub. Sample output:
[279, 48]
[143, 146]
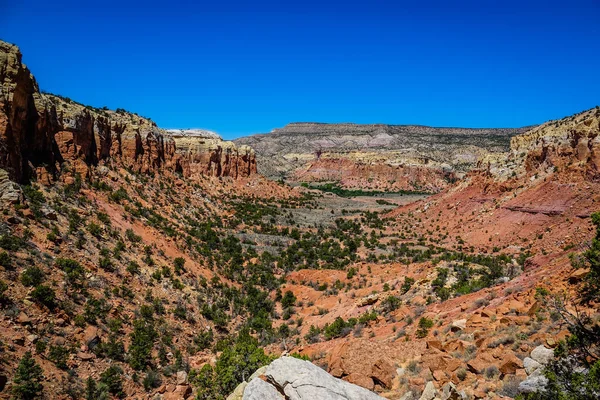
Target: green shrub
[133, 268]
[151, 380]
[179, 263]
[44, 295]
[424, 325]
[73, 269]
[132, 237]
[5, 260]
[408, 282]
[59, 356]
[288, 299]
[112, 378]
[32, 276]
[27, 378]
[142, 341]
[94, 229]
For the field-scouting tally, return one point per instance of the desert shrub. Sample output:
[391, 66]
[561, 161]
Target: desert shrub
[424, 325]
[390, 303]
[179, 264]
[11, 242]
[32, 276]
[132, 237]
[59, 356]
[44, 295]
[408, 282]
[313, 335]
[288, 299]
[152, 380]
[491, 372]
[204, 340]
[94, 229]
[119, 195]
[5, 260]
[142, 341]
[133, 268]
[575, 372]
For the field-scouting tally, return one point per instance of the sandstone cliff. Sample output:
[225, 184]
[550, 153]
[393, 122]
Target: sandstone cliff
[385, 157]
[571, 144]
[39, 132]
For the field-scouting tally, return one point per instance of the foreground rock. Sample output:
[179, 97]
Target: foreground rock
[299, 379]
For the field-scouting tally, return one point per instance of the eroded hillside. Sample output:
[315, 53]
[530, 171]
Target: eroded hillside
[377, 157]
[140, 263]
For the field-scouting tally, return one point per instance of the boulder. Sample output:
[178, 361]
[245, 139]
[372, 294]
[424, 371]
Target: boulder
[542, 354]
[450, 392]
[258, 389]
[360, 380]
[238, 393]
[458, 325]
[510, 365]
[10, 193]
[531, 365]
[430, 392]
[383, 372]
[90, 337]
[534, 382]
[299, 379]
[181, 377]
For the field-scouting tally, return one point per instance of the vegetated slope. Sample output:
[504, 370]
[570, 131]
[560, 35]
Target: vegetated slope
[464, 298]
[384, 157]
[136, 275]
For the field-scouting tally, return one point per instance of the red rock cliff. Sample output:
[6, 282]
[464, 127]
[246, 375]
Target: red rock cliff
[39, 132]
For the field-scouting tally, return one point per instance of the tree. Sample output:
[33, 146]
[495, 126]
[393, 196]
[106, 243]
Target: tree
[113, 380]
[575, 372]
[27, 379]
[288, 299]
[142, 341]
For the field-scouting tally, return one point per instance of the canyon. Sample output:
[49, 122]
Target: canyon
[149, 263]
[377, 156]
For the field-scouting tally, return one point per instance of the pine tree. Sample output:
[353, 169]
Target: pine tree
[27, 379]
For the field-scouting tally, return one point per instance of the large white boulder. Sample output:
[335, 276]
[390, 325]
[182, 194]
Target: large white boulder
[299, 379]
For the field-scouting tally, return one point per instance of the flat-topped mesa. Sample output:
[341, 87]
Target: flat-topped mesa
[375, 156]
[40, 131]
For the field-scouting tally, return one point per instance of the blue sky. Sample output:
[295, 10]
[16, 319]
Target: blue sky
[246, 67]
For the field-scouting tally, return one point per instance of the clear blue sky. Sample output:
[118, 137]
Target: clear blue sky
[247, 67]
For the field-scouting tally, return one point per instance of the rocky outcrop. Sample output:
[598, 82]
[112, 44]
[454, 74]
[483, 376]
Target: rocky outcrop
[385, 157]
[10, 193]
[293, 379]
[534, 366]
[363, 363]
[571, 144]
[28, 121]
[39, 132]
[210, 155]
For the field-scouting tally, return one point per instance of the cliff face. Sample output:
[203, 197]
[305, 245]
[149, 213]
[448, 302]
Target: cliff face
[28, 121]
[385, 157]
[570, 145]
[39, 132]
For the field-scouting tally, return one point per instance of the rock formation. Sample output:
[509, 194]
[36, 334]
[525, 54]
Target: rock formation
[39, 132]
[294, 379]
[384, 157]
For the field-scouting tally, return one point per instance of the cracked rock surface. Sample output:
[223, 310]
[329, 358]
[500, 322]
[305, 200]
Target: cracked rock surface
[294, 379]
